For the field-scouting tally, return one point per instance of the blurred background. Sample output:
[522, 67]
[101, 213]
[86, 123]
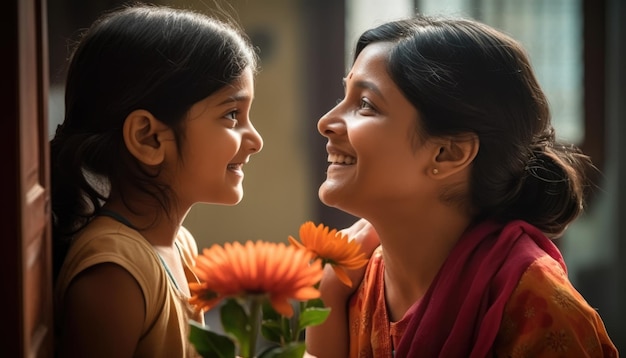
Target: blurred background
[577, 48]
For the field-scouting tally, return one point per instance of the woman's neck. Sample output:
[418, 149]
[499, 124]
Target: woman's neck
[414, 249]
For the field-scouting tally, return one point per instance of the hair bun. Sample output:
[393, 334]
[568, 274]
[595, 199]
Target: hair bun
[543, 168]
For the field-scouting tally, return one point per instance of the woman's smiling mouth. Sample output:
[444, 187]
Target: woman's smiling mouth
[341, 159]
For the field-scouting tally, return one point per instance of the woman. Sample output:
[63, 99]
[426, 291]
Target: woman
[443, 143]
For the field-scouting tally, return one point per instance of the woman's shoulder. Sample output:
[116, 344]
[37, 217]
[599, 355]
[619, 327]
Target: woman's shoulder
[546, 284]
[547, 315]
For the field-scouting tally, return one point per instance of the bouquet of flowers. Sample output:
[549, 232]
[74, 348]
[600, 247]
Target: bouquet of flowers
[257, 284]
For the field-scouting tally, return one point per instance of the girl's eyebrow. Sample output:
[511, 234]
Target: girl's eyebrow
[235, 98]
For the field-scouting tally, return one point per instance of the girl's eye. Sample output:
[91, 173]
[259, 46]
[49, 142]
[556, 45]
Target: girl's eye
[233, 117]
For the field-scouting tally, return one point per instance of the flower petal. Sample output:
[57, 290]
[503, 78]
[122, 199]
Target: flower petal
[272, 269]
[282, 306]
[331, 245]
[342, 275]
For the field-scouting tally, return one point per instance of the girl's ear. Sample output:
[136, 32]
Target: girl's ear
[454, 154]
[144, 136]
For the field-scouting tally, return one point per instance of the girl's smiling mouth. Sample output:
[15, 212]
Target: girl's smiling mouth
[237, 168]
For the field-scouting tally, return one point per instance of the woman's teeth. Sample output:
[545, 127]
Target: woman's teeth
[341, 159]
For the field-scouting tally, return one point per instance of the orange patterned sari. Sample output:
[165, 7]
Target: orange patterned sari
[544, 316]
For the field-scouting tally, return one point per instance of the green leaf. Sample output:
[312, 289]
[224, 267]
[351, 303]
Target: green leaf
[292, 350]
[274, 328]
[312, 317]
[272, 331]
[236, 322]
[269, 313]
[210, 344]
[317, 302]
[288, 334]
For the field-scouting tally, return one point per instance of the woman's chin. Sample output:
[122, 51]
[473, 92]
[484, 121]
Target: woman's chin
[328, 196]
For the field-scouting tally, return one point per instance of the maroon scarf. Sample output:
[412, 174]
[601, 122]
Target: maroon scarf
[460, 314]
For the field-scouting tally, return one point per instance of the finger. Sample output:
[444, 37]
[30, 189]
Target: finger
[355, 228]
[368, 238]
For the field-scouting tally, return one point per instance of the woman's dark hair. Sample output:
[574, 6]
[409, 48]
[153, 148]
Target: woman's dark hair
[159, 59]
[466, 77]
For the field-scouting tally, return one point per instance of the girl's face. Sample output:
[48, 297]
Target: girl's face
[374, 163]
[219, 139]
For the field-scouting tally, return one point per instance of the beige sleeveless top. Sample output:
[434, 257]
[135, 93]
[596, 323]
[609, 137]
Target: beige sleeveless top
[165, 331]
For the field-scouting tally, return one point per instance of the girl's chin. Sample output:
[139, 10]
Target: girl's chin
[229, 199]
[232, 203]
[235, 200]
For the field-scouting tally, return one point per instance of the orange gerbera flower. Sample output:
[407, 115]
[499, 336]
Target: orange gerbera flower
[332, 247]
[280, 271]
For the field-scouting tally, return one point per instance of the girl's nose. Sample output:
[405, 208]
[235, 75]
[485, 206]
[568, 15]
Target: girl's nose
[253, 140]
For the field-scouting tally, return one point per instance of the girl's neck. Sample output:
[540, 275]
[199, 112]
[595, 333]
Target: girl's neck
[154, 225]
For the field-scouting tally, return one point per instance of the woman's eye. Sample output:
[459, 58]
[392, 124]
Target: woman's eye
[365, 104]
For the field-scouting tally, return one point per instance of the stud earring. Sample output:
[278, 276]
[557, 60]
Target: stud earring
[435, 171]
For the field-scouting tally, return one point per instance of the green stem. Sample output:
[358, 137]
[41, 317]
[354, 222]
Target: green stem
[255, 324]
[286, 328]
[298, 334]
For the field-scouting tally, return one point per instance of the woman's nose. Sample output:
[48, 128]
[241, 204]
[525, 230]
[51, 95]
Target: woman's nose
[331, 123]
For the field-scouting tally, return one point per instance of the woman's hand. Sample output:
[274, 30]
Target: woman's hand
[331, 338]
[365, 234]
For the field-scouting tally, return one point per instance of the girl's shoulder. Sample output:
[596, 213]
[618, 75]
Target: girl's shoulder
[105, 236]
[106, 240]
[187, 245]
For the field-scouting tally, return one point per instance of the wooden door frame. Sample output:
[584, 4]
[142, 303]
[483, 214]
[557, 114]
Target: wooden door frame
[26, 329]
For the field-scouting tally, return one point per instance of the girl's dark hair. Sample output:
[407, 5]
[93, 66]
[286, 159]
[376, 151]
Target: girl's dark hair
[159, 59]
[466, 77]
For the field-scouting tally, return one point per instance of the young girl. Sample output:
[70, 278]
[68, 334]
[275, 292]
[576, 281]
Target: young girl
[157, 120]
[443, 143]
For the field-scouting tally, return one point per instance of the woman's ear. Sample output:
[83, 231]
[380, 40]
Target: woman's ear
[454, 154]
[144, 136]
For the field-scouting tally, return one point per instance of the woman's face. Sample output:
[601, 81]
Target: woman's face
[218, 139]
[375, 160]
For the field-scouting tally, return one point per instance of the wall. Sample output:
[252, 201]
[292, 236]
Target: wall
[278, 190]
[276, 181]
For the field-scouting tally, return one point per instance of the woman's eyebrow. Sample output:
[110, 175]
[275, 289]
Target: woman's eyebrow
[366, 85]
